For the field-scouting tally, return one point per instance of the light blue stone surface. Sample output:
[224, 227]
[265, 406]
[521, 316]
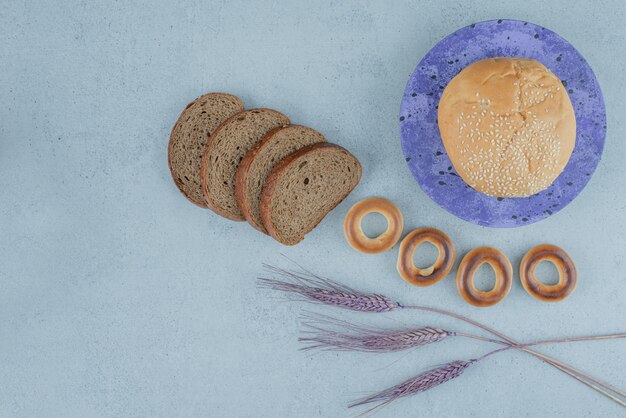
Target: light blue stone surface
[119, 298]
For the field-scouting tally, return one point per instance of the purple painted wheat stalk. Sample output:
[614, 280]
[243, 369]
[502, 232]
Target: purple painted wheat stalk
[328, 333]
[420, 383]
[318, 290]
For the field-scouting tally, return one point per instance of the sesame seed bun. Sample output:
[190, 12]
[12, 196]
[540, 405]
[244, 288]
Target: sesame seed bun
[508, 126]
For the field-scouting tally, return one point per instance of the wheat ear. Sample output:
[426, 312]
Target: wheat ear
[316, 289]
[420, 383]
[328, 333]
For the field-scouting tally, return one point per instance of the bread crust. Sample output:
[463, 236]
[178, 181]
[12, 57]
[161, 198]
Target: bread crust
[205, 188]
[179, 185]
[241, 181]
[241, 178]
[507, 125]
[272, 181]
[203, 170]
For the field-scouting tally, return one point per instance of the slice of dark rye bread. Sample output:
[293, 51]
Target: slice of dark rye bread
[223, 153]
[259, 161]
[190, 135]
[304, 187]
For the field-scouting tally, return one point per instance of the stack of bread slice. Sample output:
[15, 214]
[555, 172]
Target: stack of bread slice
[254, 165]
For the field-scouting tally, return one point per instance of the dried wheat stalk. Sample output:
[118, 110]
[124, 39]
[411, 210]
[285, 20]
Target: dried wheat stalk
[420, 383]
[325, 332]
[318, 290]
[328, 333]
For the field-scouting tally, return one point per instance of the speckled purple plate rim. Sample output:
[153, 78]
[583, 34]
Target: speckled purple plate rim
[424, 151]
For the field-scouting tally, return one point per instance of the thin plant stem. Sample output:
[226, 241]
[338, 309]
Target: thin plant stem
[479, 338]
[570, 370]
[554, 341]
[575, 373]
[602, 391]
[542, 342]
[316, 289]
[570, 340]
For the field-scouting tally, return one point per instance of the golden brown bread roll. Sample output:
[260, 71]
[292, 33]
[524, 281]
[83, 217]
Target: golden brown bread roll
[508, 126]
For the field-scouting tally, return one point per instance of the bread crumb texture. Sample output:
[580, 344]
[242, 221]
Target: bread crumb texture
[226, 150]
[309, 187]
[189, 138]
[266, 155]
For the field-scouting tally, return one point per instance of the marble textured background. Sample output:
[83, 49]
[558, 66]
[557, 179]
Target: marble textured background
[120, 298]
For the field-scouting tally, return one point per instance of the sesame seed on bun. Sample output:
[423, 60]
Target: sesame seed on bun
[508, 126]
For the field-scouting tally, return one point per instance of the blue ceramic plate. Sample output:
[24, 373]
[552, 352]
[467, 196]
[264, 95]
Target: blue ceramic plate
[424, 151]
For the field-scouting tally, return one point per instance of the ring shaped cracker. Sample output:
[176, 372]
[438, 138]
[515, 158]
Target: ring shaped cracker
[354, 232]
[468, 267]
[429, 275]
[564, 265]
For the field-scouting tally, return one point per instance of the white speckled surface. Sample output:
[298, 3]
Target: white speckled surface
[120, 298]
